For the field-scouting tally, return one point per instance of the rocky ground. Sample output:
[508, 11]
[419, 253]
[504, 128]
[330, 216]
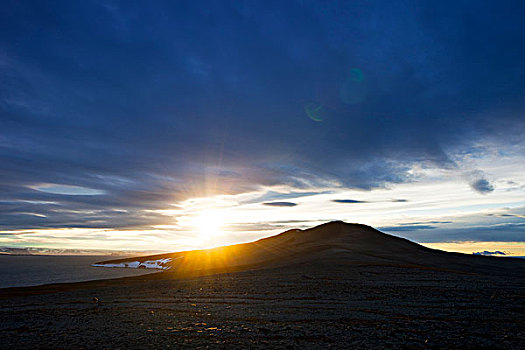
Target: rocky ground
[328, 304]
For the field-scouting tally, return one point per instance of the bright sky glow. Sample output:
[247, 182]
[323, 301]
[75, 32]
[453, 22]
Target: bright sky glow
[429, 210]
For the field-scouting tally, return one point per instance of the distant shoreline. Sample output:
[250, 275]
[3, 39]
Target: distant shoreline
[37, 270]
[72, 255]
[44, 251]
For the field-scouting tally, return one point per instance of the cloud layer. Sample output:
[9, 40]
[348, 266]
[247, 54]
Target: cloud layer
[139, 106]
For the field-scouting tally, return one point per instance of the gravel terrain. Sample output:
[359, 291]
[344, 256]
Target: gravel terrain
[301, 306]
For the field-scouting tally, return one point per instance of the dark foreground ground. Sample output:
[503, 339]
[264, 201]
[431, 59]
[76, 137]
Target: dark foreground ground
[321, 305]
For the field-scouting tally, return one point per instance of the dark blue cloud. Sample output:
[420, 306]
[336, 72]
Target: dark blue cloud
[280, 204]
[152, 103]
[482, 186]
[352, 201]
[349, 201]
[405, 228]
[489, 253]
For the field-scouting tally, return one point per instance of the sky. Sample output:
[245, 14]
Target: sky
[177, 125]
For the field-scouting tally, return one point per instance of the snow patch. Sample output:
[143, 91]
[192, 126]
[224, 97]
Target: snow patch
[148, 264]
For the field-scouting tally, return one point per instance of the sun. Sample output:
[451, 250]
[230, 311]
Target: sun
[209, 225]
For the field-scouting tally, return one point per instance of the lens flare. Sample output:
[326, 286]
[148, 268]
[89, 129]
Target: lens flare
[356, 75]
[353, 90]
[314, 111]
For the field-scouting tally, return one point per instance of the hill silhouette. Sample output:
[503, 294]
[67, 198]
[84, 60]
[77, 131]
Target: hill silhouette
[333, 242]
